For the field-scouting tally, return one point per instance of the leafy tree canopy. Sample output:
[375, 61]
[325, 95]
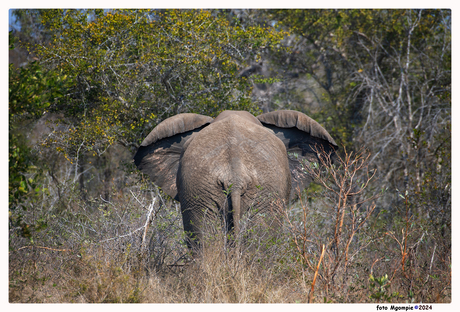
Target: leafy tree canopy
[127, 70]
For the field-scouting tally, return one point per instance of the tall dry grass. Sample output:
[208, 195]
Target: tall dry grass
[333, 245]
[216, 274]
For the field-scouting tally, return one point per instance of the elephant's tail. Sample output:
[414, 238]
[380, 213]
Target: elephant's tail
[235, 197]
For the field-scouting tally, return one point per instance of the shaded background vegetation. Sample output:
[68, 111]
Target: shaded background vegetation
[86, 86]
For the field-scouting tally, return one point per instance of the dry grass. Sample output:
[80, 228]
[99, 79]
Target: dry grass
[322, 249]
[216, 275]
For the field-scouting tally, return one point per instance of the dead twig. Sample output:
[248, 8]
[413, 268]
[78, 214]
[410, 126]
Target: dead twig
[42, 247]
[310, 297]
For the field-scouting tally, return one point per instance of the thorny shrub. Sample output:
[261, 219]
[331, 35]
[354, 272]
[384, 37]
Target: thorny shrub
[346, 251]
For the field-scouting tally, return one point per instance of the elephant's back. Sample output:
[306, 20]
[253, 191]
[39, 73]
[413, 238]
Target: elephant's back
[237, 153]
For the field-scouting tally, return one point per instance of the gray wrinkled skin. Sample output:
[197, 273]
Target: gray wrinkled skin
[224, 166]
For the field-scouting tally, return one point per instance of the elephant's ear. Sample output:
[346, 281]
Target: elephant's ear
[159, 154]
[302, 136]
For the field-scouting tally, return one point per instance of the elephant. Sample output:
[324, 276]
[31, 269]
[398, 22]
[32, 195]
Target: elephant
[227, 165]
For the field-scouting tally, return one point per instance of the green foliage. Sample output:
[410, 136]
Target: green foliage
[261, 79]
[30, 92]
[378, 287]
[133, 68]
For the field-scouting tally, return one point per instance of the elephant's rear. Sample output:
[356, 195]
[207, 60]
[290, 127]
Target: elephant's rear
[232, 165]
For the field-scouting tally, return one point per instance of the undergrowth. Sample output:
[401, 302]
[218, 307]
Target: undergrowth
[336, 244]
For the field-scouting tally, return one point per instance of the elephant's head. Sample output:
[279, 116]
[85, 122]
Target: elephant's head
[194, 158]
